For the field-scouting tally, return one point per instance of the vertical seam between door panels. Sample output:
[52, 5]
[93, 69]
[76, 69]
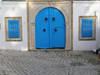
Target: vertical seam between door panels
[49, 25]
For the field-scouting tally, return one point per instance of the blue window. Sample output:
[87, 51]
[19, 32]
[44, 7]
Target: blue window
[86, 28]
[13, 29]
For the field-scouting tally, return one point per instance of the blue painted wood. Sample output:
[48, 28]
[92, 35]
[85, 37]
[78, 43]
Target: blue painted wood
[41, 36]
[13, 29]
[57, 38]
[54, 25]
[87, 28]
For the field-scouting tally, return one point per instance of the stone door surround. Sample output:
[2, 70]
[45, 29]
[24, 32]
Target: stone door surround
[35, 7]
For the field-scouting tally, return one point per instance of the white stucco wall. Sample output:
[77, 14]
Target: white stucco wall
[13, 9]
[19, 9]
[85, 8]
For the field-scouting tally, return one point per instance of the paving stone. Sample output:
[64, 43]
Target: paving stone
[48, 63]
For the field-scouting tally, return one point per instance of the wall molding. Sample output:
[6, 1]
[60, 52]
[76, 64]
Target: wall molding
[6, 28]
[35, 7]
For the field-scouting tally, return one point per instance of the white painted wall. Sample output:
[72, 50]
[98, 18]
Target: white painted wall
[19, 9]
[85, 8]
[13, 9]
[0, 3]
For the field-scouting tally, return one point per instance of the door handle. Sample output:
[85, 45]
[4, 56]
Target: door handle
[55, 30]
[44, 30]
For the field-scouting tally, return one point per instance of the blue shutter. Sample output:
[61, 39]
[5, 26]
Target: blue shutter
[87, 28]
[13, 29]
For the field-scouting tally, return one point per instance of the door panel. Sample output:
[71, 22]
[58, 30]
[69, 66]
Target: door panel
[57, 29]
[42, 29]
[50, 29]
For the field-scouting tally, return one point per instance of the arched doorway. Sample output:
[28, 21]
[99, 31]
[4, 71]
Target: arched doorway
[50, 29]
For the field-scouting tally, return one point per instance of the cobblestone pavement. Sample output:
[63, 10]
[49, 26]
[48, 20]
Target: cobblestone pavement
[49, 63]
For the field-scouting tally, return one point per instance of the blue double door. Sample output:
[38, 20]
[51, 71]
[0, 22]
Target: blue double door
[50, 29]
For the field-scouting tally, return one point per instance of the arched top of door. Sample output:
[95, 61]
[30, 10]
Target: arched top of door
[45, 6]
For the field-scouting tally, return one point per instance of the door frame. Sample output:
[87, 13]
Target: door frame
[35, 7]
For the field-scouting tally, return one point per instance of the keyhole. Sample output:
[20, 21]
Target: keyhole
[53, 18]
[44, 30]
[46, 19]
[55, 30]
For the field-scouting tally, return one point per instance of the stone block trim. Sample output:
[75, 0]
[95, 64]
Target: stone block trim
[35, 7]
[47, 0]
[6, 28]
[94, 27]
